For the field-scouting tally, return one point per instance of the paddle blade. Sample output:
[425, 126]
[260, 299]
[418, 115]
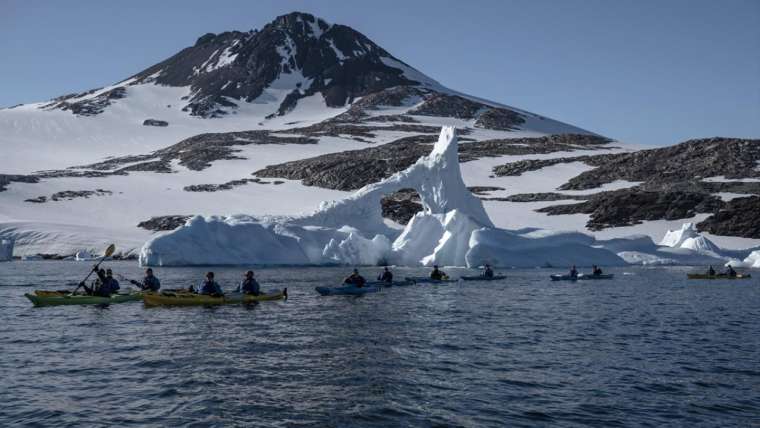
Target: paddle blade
[109, 251]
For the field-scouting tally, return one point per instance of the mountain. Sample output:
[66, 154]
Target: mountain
[275, 121]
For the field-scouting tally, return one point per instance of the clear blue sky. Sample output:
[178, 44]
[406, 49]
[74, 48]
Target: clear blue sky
[647, 72]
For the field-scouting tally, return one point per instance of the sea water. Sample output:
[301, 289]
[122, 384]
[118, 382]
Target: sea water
[647, 348]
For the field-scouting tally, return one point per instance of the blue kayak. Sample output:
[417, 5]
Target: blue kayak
[388, 284]
[581, 277]
[346, 290]
[428, 280]
[483, 278]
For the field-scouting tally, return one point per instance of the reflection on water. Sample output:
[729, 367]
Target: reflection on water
[648, 348]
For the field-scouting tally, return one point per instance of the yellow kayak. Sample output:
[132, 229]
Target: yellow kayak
[184, 298]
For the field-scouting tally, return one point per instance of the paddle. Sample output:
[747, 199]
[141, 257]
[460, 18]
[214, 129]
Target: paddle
[109, 251]
[131, 281]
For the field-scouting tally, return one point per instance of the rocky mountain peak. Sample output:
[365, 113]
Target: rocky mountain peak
[297, 55]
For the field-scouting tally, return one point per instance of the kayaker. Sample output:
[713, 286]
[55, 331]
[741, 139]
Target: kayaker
[355, 279]
[730, 271]
[711, 271]
[488, 272]
[386, 276]
[573, 272]
[596, 270]
[437, 274]
[149, 283]
[210, 287]
[108, 285]
[249, 285]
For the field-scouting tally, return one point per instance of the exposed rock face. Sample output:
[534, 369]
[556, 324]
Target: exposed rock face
[738, 217]
[401, 206]
[225, 186]
[488, 117]
[500, 119]
[483, 190]
[729, 157]
[335, 60]
[449, 106]
[155, 122]
[89, 106]
[196, 153]
[351, 170]
[167, 222]
[68, 195]
[6, 179]
[538, 197]
[632, 206]
[527, 165]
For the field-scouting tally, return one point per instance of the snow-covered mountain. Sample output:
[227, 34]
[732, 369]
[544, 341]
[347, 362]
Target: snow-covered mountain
[275, 121]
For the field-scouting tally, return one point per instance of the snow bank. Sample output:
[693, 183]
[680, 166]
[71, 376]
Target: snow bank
[6, 250]
[452, 229]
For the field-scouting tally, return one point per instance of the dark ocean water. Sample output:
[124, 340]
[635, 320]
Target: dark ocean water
[646, 349]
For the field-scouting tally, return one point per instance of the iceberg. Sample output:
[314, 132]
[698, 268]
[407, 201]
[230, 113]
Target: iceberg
[453, 229]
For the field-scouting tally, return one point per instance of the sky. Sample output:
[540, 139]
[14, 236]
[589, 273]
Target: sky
[642, 72]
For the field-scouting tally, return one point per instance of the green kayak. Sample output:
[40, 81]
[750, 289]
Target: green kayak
[82, 300]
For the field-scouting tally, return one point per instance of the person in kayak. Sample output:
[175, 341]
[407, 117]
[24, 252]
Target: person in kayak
[149, 283]
[355, 279]
[711, 271]
[386, 276]
[108, 285]
[249, 285]
[210, 287]
[438, 274]
[573, 272]
[488, 272]
[596, 270]
[730, 271]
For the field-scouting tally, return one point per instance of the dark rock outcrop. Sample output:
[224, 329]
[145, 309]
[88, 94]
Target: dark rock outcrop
[6, 179]
[401, 206]
[354, 169]
[155, 122]
[500, 119]
[224, 186]
[68, 195]
[538, 197]
[341, 64]
[738, 217]
[89, 105]
[632, 206]
[166, 222]
[729, 157]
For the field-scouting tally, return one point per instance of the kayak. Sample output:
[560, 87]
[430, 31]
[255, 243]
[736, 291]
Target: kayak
[581, 277]
[45, 293]
[388, 284]
[58, 300]
[718, 276]
[347, 290]
[428, 280]
[185, 298]
[483, 278]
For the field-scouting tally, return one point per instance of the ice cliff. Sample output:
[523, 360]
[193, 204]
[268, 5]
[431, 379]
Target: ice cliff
[452, 229]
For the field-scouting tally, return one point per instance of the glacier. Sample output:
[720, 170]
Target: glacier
[453, 229]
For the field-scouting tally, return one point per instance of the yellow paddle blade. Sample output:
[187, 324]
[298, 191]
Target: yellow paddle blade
[109, 251]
